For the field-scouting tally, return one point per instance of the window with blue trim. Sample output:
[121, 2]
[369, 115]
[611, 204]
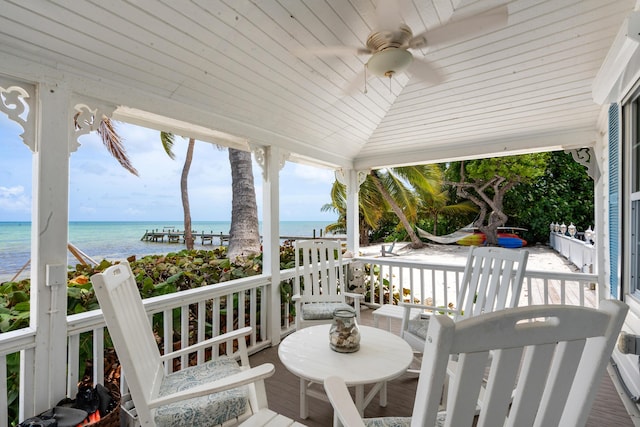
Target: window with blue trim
[630, 151]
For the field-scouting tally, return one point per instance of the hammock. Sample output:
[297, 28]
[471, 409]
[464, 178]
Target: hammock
[447, 238]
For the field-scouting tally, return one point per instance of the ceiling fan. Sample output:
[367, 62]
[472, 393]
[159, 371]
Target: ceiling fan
[391, 41]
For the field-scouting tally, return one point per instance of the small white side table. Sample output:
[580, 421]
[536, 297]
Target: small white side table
[383, 356]
[392, 311]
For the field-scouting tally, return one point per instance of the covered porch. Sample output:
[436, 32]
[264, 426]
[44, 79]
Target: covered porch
[227, 73]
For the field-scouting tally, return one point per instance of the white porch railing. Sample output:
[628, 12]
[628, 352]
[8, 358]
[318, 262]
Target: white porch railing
[579, 252]
[390, 280]
[212, 309]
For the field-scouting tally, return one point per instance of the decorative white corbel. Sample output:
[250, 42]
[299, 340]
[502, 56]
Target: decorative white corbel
[260, 154]
[342, 179]
[84, 120]
[362, 177]
[586, 157]
[16, 102]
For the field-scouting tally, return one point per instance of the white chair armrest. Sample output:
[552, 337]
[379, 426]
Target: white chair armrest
[296, 297]
[354, 295]
[247, 376]
[342, 403]
[238, 333]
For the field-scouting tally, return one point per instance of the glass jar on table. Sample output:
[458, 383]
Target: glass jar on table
[344, 336]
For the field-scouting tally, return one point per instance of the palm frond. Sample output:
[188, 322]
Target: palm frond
[167, 139]
[113, 143]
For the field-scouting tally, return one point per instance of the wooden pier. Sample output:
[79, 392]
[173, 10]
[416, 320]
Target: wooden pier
[177, 236]
[172, 235]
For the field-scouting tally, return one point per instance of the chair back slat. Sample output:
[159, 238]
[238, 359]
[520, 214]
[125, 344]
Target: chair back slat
[531, 384]
[558, 387]
[468, 381]
[500, 383]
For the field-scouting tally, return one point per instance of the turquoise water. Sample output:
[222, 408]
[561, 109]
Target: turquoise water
[119, 240]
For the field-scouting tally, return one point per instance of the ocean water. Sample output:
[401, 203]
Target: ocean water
[119, 240]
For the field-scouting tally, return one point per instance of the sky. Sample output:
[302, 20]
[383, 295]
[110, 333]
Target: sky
[102, 190]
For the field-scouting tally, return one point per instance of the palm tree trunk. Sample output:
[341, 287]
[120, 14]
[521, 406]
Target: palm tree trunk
[416, 243]
[244, 236]
[184, 191]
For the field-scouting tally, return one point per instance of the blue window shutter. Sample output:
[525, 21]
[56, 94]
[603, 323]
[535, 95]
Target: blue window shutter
[614, 198]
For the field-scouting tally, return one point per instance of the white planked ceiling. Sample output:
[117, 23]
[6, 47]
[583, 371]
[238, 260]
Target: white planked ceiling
[227, 65]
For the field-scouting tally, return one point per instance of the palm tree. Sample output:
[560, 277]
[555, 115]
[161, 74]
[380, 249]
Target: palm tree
[385, 190]
[167, 139]
[436, 204]
[184, 193]
[398, 186]
[371, 209]
[244, 236]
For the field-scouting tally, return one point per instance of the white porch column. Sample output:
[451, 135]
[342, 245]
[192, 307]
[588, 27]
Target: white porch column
[272, 160]
[352, 179]
[599, 223]
[49, 235]
[587, 157]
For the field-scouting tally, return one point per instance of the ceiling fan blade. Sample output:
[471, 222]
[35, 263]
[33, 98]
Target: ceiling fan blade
[306, 52]
[425, 71]
[465, 28]
[388, 16]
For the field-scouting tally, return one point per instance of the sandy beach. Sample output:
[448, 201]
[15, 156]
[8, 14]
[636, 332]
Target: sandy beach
[541, 257]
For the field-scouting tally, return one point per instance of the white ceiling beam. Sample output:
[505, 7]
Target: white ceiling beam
[434, 153]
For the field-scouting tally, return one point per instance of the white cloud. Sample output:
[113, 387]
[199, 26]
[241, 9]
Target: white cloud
[13, 199]
[312, 174]
[11, 191]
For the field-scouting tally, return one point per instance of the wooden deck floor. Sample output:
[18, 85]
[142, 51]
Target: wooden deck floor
[283, 390]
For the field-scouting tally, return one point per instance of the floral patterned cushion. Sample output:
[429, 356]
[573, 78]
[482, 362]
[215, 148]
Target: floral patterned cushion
[400, 421]
[207, 410]
[322, 310]
[388, 422]
[418, 327]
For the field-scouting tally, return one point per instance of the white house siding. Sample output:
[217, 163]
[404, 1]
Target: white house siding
[622, 81]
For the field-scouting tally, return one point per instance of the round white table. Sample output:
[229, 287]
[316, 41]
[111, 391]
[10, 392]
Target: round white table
[383, 356]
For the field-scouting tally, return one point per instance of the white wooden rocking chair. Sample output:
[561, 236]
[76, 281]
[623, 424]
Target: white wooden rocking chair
[554, 360]
[492, 280]
[218, 392]
[319, 284]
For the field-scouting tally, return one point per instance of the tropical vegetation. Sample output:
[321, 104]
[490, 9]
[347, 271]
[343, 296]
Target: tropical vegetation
[528, 191]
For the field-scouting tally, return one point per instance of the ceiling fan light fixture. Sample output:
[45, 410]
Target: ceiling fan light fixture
[389, 61]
